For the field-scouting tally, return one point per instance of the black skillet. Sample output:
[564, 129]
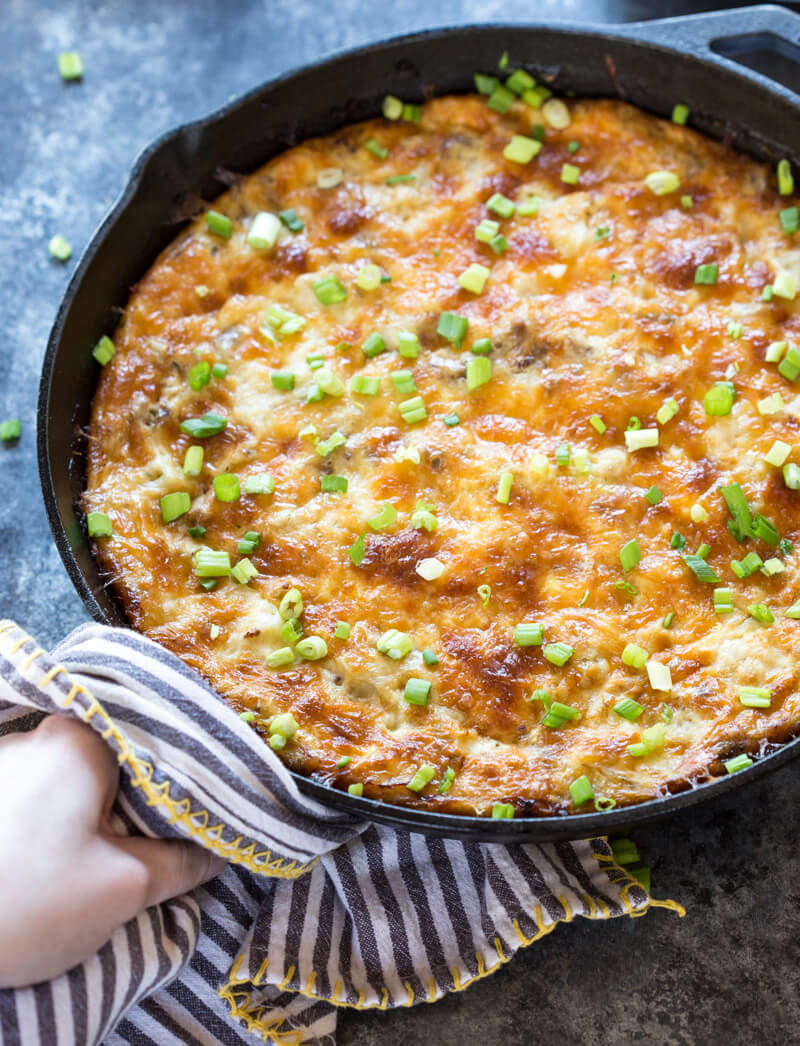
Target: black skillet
[701, 60]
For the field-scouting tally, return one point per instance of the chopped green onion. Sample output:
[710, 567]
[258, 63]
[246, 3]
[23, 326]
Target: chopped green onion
[677, 540]
[226, 487]
[640, 439]
[558, 653]
[667, 411]
[400, 179]
[248, 544]
[602, 232]
[538, 131]
[661, 183]
[720, 398]
[200, 428]
[333, 484]
[485, 84]
[474, 278]
[791, 475]
[629, 555]
[520, 81]
[765, 531]
[199, 375]
[785, 286]
[537, 96]
[680, 113]
[291, 220]
[247, 716]
[104, 350]
[210, 563]
[659, 675]
[357, 788]
[789, 367]
[570, 174]
[500, 99]
[624, 851]
[486, 230]
[417, 691]
[598, 424]
[634, 656]
[175, 505]
[785, 178]
[790, 220]
[330, 383]
[581, 790]
[423, 776]
[365, 385]
[628, 709]
[325, 447]
[59, 248]
[772, 567]
[747, 566]
[447, 780]
[703, 551]
[392, 107]
[452, 328]
[653, 496]
[687, 202]
[197, 531]
[481, 347]
[668, 619]
[369, 277]
[793, 613]
[357, 550]
[652, 739]
[219, 224]
[755, 696]
[503, 812]
[408, 344]
[263, 234]
[499, 244]
[279, 659]
[373, 345]
[385, 518]
[504, 488]
[98, 525]
[741, 522]
[244, 571]
[562, 455]
[413, 410]
[484, 594]
[761, 612]
[500, 205]
[521, 149]
[528, 634]
[342, 762]
[739, 762]
[283, 380]
[70, 65]
[10, 430]
[775, 351]
[529, 208]
[329, 290]
[723, 601]
[219, 370]
[626, 587]
[706, 274]
[558, 715]
[479, 372]
[312, 648]
[786, 546]
[574, 147]
[376, 149]
[259, 484]
[701, 570]
[771, 404]
[430, 658]
[698, 514]
[424, 517]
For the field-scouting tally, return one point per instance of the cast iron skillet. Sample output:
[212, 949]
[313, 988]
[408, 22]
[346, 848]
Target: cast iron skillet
[652, 64]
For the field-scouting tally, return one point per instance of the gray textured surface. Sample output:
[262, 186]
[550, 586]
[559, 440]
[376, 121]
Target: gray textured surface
[725, 974]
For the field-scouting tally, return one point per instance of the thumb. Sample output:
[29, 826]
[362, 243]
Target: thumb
[171, 867]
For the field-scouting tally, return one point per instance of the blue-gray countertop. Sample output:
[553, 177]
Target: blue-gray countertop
[728, 972]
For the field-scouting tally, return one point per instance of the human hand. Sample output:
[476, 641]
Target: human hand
[67, 879]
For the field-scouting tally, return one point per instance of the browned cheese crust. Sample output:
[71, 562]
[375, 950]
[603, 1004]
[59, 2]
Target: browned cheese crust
[592, 309]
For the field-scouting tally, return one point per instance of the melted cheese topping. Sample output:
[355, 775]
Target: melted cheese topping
[581, 323]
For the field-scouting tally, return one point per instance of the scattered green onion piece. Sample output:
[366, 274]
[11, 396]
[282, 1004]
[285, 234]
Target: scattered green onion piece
[247, 545]
[701, 570]
[790, 220]
[413, 410]
[772, 567]
[739, 762]
[771, 404]
[485, 594]
[400, 179]
[244, 571]
[687, 202]
[629, 555]
[761, 612]
[786, 546]
[766, 294]
[537, 96]
[634, 656]
[226, 487]
[755, 696]
[175, 505]
[785, 286]
[668, 619]
[789, 367]
[98, 525]
[259, 484]
[219, 224]
[570, 174]
[247, 716]
[625, 851]
[280, 659]
[653, 496]
[479, 372]
[333, 484]
[667, 411]
[329, 290]
[485, 84]
[500, 99]
[677, 540]
[211, 563]
[283, 380]
[474, 278]
[598, 424]
[706, 274]
[741, 520]
[291, 220]
[70, 65]
[558, 715]
[357, 550]
[365, 385]
[210, 424]
[500, 205]
[104, 350]
[659, 676]
[499, 244]
[373, 345]
[521, 149]
[723, 601]
[503, 812]
[720, 398]
[538, 131]
[369, 277]
[357, 788]
[385, 518]
[785, 178]
[326, 447]
[377, 150]
[59, 248]
[392, 107]
[520, 81]
[447, 780]
[504, 488]
[652, 739]
[481, 347]
[408, 344]
[219, 370]
[791, 475]
[424, 517]
[562, 455]
[558, 653]
[417, 691]
[330, 383]
[574, 147]
[626, 587]
[197, 531]
[628, 709]
[640, 439]
[10, 430]
[452, 328]
[430, 658]
[422, 777]
[342, 762]
[199, 375]
[703, 551]
[581, 790]
[530, 206]
[793, 613]
[680, 113]
[603, 803]
[263, 234]
[765, 531]
[661, 183]
[486, 230]
[528, 634]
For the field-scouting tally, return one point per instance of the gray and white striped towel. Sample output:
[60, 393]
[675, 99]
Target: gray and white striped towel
[314, 911]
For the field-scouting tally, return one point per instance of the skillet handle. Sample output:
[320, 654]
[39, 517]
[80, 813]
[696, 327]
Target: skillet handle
[762, 42]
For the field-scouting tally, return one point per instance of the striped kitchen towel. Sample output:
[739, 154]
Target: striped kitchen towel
[314, 911]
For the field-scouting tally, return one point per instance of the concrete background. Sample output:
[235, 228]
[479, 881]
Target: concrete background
[728, 972]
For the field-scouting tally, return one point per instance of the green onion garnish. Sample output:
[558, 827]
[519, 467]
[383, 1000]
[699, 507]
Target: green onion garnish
[790, 220]
[98, 525]
[701, 570]
[659, 676]
[521, 149]
[417, 691]
[785, 178]
[219, 370]
[259, 484]
[326, 447]
[765, 531]
[283, 380]
[400, 179]
[789, 367]
[329, 290]
[369, 277]
[624, 851]
[373, 345]
[667, 411]
[403, 381]
[652, 739]
[70, 65]
[739, 762]
[661, 183]
[677, 540]
[280, 658]
[687, 202]
[500, 99]
[357, 788]
[479, 372]
[484, 594]
[357, 550]
[10, 430]
[481, 347]
[211, 563]
[741, 519]
[333, 484]
[761, 612]
[597, 423]
[668, 619]
[430, 658]
[723, 601]
[785, 286]
[628, 709]
[226, 487]
[529, 634]
[558, 653]
[264, 231]
[574, 147]
[581, 790]
[199, 375]
[392, 107]
[474, 278]
[423, 776]
[219, 224]
[408, 344]
[706, 274]
[558, 715]
[570, 174]
[452, 328]
[502, 812]
[342, 630]
[424, 517]
[365, 385]
[791, 475]
[248, 544]
[519, 81]
[447, 780]
[634, 656]
[413, 410]
[312, 648]
[653, 496]
[499, 244]
[394, 644]
[59, 248]
[175, 505]
[504, 488]
[244, 571]
[755, 696]
[486, 230]
[640, 439]
[629, 555]
[385, 518]
[500, 205]
[793, 613]
[376, 149]
[720, 398]
[342, 762]
[680, 113]
[485, 84]
[530, 206]
[562, 455]
[197, 531]
[291, 220]
[210, 424]
[104, 350]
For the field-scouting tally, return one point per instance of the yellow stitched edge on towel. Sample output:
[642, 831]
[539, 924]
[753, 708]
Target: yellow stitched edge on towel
[194, 822]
